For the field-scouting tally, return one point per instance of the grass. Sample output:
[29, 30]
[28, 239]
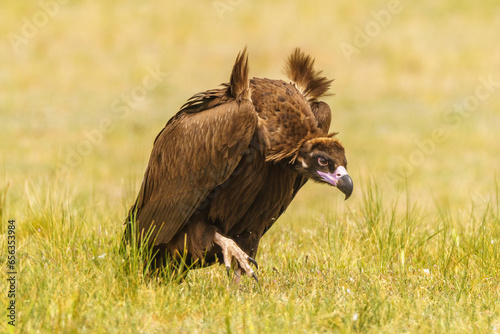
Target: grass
[415, 249]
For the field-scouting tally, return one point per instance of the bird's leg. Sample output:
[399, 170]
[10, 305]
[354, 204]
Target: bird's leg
[231, 250]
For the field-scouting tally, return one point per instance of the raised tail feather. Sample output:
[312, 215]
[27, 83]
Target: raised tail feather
[299, 68]
[239, 83]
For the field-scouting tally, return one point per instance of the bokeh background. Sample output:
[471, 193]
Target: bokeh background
[396, 79]
[85, 86]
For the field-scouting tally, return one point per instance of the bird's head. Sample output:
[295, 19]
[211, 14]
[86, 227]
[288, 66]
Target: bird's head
[323, 159]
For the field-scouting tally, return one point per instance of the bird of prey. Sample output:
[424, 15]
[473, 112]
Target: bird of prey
[228, 164]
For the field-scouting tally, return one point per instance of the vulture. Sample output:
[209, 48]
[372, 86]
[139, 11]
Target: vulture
[228, 164]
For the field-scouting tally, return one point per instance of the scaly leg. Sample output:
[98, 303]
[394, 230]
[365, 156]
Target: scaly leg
[231, 250]
[237, 276]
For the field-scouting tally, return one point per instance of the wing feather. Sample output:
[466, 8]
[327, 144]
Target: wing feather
[191, 156]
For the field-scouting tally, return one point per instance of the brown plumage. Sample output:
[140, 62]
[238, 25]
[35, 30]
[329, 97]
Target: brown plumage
[229, 163]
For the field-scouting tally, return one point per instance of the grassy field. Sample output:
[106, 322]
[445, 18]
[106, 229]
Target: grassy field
[87, 85]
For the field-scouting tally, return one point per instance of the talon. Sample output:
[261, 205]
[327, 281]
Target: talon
[228, 269]
[253, 262]
[255, 277]
[230, 251]
[237, 273]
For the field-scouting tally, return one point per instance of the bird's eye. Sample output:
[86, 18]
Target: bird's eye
[322, 161]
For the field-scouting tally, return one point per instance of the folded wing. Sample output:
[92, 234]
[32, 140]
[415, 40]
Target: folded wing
[195, 152]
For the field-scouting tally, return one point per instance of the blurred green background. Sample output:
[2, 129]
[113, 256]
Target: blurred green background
[416, 103]
[66, 64]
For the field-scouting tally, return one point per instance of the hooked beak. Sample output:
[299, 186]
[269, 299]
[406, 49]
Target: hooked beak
[339, 179]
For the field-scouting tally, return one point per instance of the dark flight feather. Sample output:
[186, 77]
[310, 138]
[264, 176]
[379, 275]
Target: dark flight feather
[194, 153]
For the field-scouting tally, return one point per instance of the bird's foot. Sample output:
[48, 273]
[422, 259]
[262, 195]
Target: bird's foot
[237, 276]
[231, 250]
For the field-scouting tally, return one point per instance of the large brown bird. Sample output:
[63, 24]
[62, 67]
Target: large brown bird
[229, 163]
